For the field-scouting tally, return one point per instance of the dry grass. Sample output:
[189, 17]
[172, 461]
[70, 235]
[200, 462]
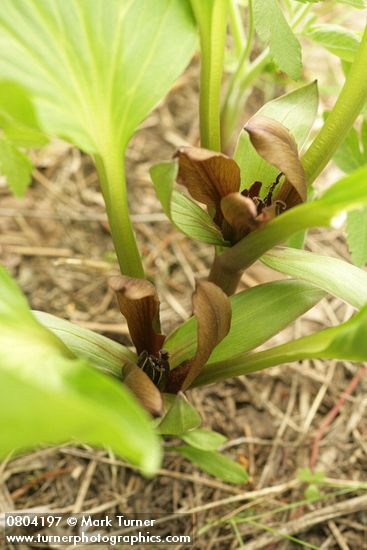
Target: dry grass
[57, 244]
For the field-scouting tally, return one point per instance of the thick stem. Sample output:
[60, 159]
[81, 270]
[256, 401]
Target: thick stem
[226, 279]
[111, 171]
[211, 18]
[346, 109]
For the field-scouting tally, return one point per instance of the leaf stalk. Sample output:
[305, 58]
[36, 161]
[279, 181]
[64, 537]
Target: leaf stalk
[349, 104]
[111, 171]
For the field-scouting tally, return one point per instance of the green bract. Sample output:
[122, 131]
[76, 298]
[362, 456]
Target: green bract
[105, 354]
[257, 314]
[346, 341]
[334, 276]
[296, 111]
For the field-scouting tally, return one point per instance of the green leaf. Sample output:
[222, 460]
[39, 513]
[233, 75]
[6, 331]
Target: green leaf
[337, 277]
[15, 166]
[296, 111]
[338, 40]
[183, 212]
[18, 118]
[48, 396]
[359, 4]
[95, 69]
[103, 353]
[257, 314]
[274, 30]
[215, 464]
[352, 154]
[180, 416]
[345, 342]
[349, 193]
[357, 236]
[312, 493]
[306, 475]
[207, 440]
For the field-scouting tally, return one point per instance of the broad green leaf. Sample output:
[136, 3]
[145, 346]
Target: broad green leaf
[349, 193]
[180, 416]
[332, 275]
[257, 314]
[95, 69]
[215, 464]
[274, 30]
[345, 342]
[103, 353]
[17, 117]
[207, 440]
[296, 111]
[15, 166]
[357, 236]
[49, 396]
[340, 41]
[183, 212]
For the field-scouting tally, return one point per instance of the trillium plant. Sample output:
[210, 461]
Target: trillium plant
[90, 73]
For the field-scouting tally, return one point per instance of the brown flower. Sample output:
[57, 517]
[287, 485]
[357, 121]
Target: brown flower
[212, 309]
[214, 180]
[139, 304]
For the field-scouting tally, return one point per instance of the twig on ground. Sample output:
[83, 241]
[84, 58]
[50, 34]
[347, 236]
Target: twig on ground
[333, 413]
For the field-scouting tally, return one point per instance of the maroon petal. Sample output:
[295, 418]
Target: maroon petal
[212, 309]
[208, 176]
[139, 304]
[143, 388]
[276, 145]
[240, 212]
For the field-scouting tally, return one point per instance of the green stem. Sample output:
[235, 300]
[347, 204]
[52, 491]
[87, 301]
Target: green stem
[346, 109]
[211, 18]
[224, 277]
[111, 171]
[236, 27]
[300, 15]
[237, 93]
